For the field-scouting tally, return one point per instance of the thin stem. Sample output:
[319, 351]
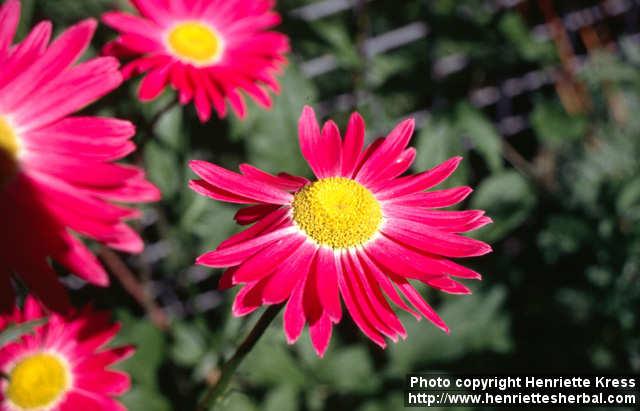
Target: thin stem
[135, 288]
[230, 367]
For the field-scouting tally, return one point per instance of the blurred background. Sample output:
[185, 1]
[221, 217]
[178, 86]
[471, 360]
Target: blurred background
[541, 97]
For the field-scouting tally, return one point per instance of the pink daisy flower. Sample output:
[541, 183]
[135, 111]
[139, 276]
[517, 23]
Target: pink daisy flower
[62, 365]
[57, 176]
[208, 50]
[360, 232]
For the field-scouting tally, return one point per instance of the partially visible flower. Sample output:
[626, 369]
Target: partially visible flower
[360, 231]
[57, 176]
[64, 364]
[208, 50]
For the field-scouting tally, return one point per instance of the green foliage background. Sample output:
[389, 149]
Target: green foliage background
[561, 291]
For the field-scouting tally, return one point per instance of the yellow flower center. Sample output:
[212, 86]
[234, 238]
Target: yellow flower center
[38, 381]
[195, 43]
[9, 148]
[337, 212]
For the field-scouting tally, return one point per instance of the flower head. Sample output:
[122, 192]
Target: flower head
[208, 50]
[57, 175]
[63, 364]
[361, 231]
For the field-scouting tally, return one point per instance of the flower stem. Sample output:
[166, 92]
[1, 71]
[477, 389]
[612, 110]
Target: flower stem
[230, 367]
[139, 291]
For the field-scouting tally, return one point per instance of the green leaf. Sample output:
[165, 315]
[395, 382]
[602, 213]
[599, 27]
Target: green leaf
[340, 43]
[150, 350]
[348, 370]
[554, 126]
[563, 234]
[529, 48]
[271, 362]
[282, 398]
[163, 168]
[170, 129]
[508, 199]
[235, 401]
[189, 344]
[14, 332]
[628, 201]
[482, 134]
[149, 400]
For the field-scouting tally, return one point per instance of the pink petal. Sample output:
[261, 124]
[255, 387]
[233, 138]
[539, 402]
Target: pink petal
[129, 23]
[276, 219]
[225, 282]
[7, 297]
[330, 150]
[371, 269]
[419, 182]
[251, 214]
[372, 302]
[448, 285]
[43, 282]
[249, 298]
[203, 188]
[154, 83]
[320, 333]
[82, 262]
[9, 19]
[104, 382]
[62, 53]
[156, 10]
[74, 89]
[408, 262]
[236, 254]
[352, 145]
[449, 221]
[326, 268]
[264, 262]
[434, 199]
[105, 358]
[387, 153]
[24, 54]
[239, 184]
[359, 317]
[278, 182]
[433, 240]
[320, 150]
[294, 319]
[421, 305]
[288, 274]
[203, 105]
[85, 400]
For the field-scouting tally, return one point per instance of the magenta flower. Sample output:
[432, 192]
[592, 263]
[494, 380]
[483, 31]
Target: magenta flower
[208, 50]
[57, 176]
[360, 232]
[62, 365]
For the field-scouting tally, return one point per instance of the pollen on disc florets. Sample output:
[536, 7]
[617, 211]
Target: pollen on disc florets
[38, 381]
[337, 212]
[195, 43]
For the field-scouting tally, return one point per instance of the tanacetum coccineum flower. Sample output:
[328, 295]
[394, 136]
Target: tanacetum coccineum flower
[63, 364]
[56, 170]
[359, 231]
[208, 50]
